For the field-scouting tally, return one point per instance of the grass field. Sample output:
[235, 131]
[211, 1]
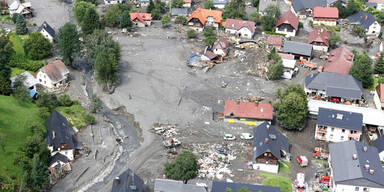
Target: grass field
[285, 169]
[277, 181]
[17, 71]
[75, 114]
[14, 121]
[18, 44]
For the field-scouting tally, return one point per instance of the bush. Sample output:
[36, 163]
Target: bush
[301, 25]
[96, 104]
[180, 20]
[89, 119]
[25, 63]
[191, 34]
[37, 46]
[274, 33]
[65, 101]
[44, 112]
[48, 100]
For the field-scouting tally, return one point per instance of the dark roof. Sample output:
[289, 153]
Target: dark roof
[297, 48]
[58, 131]
[348, 171]
[58, 157]
[364, 19]
[221, 186]
[128, 182]
[333, 1]
[266, 131]
[288, 18]
[307, 4]
[166, 185]
[340, 119]
[47, 28]
[379, 144]
[179, 11]
[335, 85]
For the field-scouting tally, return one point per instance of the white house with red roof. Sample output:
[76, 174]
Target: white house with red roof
[53, 75]
[247, 112]
[274, 41]
[141, 19]
[319, 38]
[240, 28]
[325, 16]
[288, 24]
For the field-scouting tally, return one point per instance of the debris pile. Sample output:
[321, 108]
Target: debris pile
[165, 130]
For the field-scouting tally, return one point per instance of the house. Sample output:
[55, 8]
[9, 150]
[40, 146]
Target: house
[144, 3]
[274, 42]
[240, 28]
[325, 16]
[53, 75]
[219, 4]
[47, 31]
[298, 49]
[179, 12]
[59, 136]
[334, 87]
[141, 19]
[166, 185]
[379, 144]
[24, 9]
[204, 17]
[112, 2]
[221, 186]
[336, 126]
[128, 182]
[29, 82]
[269, 147]
[340, 61]
[289, 61]
[220, 47]
[378, 98]
[367, 21]
[187, 3]
[377, 4]
[319, 39]
[263, 4]
[331, 3]
[288, 24]
[247, 112]
[355, 167]
[304, 8]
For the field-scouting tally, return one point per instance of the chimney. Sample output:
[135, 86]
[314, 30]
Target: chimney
[268, 127]
[53, 134]
[45, 25]
[366, 17]
[366, 167]
[365, 149]
[117, 180]
[238, 102]
[339, 116]
[354, 157]
[371, 171]
[266, 140]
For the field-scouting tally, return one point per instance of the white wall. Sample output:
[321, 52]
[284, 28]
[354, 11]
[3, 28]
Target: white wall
[187, 5]
[374, 29]
[219, 52]
[376, 101]
[44, 80]
[244, 32]
[380, 6]
[381, 47]
[350, 188]
[335, 135]
[287, 33]
[219, 6]
[266, 167]
[381, 155]
[322, 22]
[320, 48]
[68, 153]
[111, 2]
[46, 35]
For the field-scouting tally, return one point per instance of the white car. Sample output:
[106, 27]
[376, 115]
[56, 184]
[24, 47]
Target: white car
[246, 136]
[229, 137]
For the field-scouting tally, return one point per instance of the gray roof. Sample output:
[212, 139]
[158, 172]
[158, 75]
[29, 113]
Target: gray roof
[47, 28]
[332, 1]
[379, 144]
[219, 2]
[58, 131]
[128, 182]
[29, 80]
[297, 48]
[340, 119]
[279, 141]
[58, 157]
[335, 85]
[166, 185]
[307, 4]
[220, 186]
[263, 4]
[348, 171]
[364, 19]
[179, 11]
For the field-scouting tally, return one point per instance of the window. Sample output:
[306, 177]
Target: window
[343, 130]
[332, 129]
[40, 80]
[331, 136]
[342, 138]
[356, 188]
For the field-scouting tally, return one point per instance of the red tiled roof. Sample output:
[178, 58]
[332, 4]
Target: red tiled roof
[340, 61]
[238, 24]
[288, 18]
[275, 40]
[326, 12]
[380, 92]
[203, 14]
[248, 110]
[319, 35]
[287, 56]
[55, 70]
[221, 43]
[187, 1]
[142, 17]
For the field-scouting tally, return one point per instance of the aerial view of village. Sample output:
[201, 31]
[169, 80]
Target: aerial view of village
[191, 96]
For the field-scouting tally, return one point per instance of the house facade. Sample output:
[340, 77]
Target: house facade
[274, 42]
[288, 24]
[378, 97]
[269, 146]
[319, 39]
[47, 31]
[112, 2]
[141, 19]
[187, 3]
[325, 16]
[204, 17]
[240, 28]
[53, 75]
[220, 47]
[367, 21]
[247, 112]
[336, 126]
[219, 4]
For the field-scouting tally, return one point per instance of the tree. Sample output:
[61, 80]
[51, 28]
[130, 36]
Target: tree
[191, 34]
[255, 17]
[21, 26]
[183, 168]
[271, 15]
[353, 7]
[19, 91]
[276, 69]
[292, 108]
[158, 9]
[39, 175]
[15, 16]
[255, 3]
[333, 40]
[106, 65]
[6, 51]
[180, 20]
[125, 21]
[90, 1]
[209, 36]
[80, 8]
[150, 7]
[208, 4]
[68, 44]
[96, 104]
[37, 46]
[235, 9]
[361, 69]
[341, 8]
[114, 14]
[98, 41]
[48, 100]
[2, 143]
[65, 101]
[165, 20]
[358, 30]
[177, 3]
[91, 22]
[379, 65]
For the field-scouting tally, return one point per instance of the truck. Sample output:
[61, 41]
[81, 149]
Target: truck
[171, 142]
[300, 182]
[303, 161]
[320, 153]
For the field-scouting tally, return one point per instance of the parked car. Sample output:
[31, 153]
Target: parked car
[246, 136]
[303, 161]
[229, 137]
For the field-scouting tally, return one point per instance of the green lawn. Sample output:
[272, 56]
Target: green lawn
[75, 114]
[18, 44]
[285, 169]
[5, 17]
[14, 121]
[284, 183]
[17, 71]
